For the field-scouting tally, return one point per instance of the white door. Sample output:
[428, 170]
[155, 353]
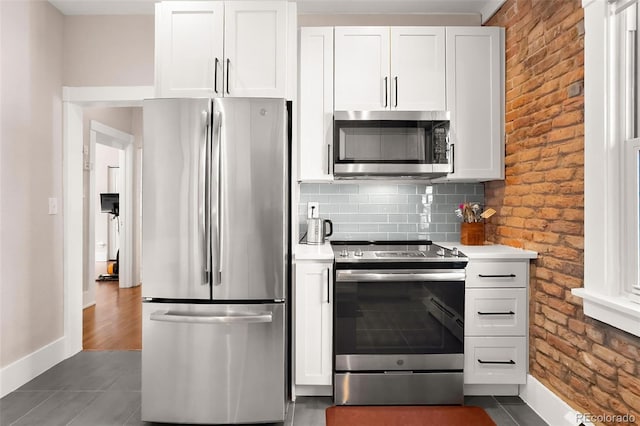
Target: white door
[189, 45]
[418, 68]
[316, 103]
[475, 98]
[313, 323]
[255, 49]
[362, 69]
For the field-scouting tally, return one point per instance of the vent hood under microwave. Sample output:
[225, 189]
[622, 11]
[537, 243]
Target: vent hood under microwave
[391, 144]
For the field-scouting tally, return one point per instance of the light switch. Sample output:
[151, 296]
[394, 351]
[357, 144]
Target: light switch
[53, 205]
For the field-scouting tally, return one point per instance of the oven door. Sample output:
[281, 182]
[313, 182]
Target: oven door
[399, 319]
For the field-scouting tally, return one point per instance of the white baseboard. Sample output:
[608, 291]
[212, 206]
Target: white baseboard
[548, 405]
[21, 371]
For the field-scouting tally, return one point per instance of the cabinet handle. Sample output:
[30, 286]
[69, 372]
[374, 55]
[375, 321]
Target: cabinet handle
[228, 61]
[497, 276]
[328, 159]
[510, 362]
[496, 313]
[328, 285]
[386, 89]
[396, 78]
[215, 76]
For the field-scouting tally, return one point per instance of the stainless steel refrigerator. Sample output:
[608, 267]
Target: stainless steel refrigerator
[215, 256]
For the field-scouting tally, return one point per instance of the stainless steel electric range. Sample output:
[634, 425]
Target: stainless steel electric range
[398, 323]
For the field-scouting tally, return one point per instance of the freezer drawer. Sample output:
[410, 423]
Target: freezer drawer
[213, 363]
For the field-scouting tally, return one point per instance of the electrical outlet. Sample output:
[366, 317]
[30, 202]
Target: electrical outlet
[313, 209]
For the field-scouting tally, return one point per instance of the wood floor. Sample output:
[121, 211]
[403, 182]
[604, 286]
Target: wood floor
[115, 321]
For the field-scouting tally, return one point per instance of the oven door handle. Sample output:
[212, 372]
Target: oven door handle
[390, 275]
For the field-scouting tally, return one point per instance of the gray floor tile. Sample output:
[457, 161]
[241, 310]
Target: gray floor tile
[500, 416]
[524, 415]
[59, 409]
[481, 401]
[509, 400]
[310, 411]
[110, 408]
[127, 381]
[17, 404]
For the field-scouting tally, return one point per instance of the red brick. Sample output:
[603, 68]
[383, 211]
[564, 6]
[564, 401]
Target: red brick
[614, 358]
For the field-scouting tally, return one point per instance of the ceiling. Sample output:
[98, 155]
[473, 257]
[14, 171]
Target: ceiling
[486, 8]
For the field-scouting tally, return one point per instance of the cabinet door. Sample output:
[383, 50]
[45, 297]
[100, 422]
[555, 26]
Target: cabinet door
[313, 323]
[316, 103]
[362, 69]
[418, 68]
[255, 49]
[188, 41]
[475, 97]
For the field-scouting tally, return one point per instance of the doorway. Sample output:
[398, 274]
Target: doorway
[111, 278]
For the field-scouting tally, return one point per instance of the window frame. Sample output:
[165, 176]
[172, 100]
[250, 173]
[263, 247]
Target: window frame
[611, 180]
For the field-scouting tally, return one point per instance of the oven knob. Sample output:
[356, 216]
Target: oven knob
[440, 252]
[454, 252]
[358, 253]
[344, 253]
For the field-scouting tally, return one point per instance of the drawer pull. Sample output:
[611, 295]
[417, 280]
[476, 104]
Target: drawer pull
[496, 313]
[510, 362]
[497, 276]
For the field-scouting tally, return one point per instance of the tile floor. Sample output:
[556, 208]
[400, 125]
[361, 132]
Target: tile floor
[103, 389]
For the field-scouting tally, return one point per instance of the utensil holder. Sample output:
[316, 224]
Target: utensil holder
[472, 234]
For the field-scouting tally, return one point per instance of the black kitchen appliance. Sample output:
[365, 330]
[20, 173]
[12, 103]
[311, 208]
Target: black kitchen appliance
[398, 323]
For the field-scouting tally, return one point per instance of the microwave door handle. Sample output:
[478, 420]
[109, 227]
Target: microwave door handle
[328, 159]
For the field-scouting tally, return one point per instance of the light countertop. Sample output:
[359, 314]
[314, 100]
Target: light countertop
[491, 251]
[322, 252]
[314, 252]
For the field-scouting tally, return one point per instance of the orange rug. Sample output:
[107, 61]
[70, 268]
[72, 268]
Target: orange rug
[407, 416]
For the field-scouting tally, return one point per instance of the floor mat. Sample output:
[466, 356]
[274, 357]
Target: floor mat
[407, 416]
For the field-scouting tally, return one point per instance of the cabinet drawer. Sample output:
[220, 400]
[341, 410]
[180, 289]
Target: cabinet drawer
[495, 360]
[497, 274]
[495, 312]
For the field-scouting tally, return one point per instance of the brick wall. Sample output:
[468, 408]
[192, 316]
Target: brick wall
[595, 368]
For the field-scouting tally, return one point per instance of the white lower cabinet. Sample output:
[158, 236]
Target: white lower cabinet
[496, 322]
[495, 360]
[313, 323]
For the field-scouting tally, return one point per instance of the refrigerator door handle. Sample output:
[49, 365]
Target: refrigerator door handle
[205, 183]
[217, 136]
[195, 318]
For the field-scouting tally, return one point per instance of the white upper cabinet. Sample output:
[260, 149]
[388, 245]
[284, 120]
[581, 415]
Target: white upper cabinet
[475, 98]
[188, 42]
[255, 48]
[397, 68]
[316, 103]
[417, 80]
[215, 48]
[361, 68]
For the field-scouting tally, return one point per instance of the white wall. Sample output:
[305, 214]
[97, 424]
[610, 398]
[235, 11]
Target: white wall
[108, 50]
[31, 282]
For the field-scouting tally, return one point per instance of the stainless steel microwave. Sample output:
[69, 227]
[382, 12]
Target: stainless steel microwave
[387, 144]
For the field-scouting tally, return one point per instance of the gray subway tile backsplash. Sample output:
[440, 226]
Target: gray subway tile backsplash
[371, 211]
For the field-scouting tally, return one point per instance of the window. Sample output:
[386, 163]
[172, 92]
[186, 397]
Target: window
[611, 290]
